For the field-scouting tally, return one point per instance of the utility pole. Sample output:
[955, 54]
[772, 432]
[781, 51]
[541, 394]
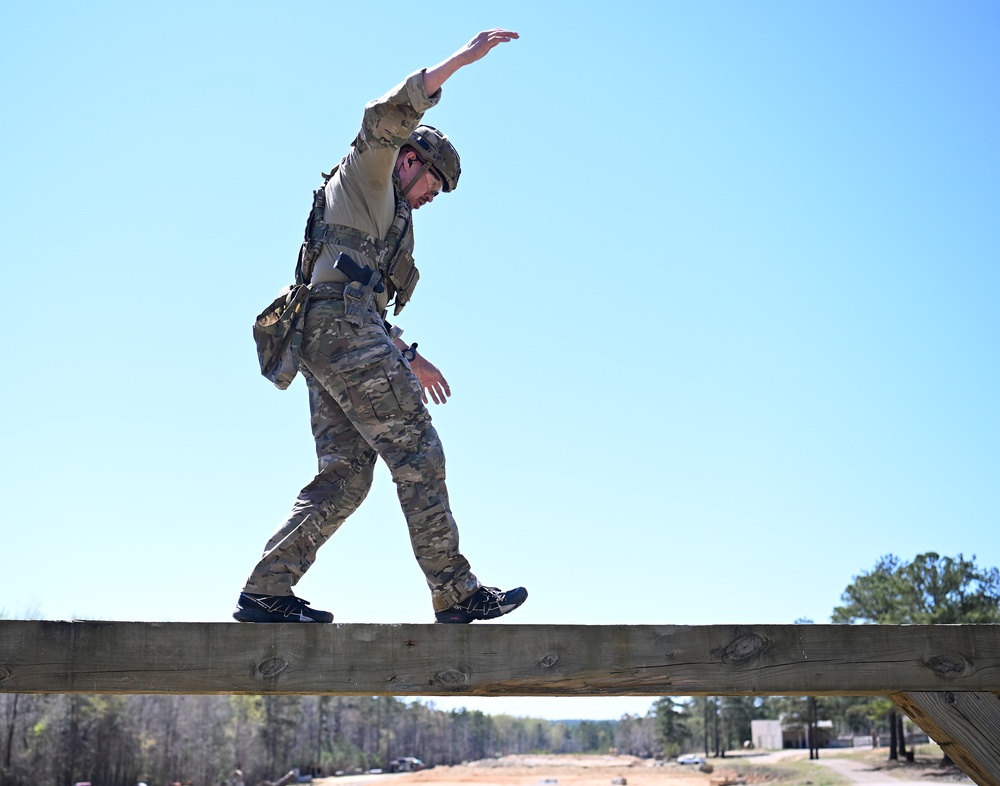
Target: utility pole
[813, 730]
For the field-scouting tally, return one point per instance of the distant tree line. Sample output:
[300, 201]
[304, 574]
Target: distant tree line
[715, 724]
[122, 740]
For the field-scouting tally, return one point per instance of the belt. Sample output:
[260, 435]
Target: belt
[327, 290]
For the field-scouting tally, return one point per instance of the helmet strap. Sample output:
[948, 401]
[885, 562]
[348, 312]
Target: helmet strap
[426, 165]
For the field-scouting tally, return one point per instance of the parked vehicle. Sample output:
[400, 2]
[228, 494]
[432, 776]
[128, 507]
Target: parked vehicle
[406, 764]
[690, 758]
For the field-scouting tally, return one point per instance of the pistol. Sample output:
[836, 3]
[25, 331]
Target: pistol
[355, 272]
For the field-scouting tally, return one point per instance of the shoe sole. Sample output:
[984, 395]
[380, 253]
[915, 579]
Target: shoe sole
[251, 615]
[283, 619]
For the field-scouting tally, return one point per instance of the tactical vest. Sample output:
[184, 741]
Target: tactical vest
[393, 255]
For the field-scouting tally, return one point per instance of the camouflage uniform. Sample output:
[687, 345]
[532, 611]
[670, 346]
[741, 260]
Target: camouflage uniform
[363, 397]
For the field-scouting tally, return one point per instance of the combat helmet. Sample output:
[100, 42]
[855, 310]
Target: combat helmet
[434, 149]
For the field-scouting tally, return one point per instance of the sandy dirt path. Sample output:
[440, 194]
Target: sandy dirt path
[583, 770]
[865, 772]
[540, 771]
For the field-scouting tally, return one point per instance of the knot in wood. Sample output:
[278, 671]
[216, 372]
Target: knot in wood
[271, 668]
[549, 660]
[451, 677]
[4, 673]
[947, 665]
[743, 648]
[949, 698]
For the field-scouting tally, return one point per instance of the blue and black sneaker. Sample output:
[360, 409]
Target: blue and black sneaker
[277, 608]
[486, 603]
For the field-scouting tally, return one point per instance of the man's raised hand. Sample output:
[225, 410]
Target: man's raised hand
[477, 48]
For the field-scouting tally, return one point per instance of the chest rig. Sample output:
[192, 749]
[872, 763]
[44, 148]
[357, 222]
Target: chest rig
[393, 254]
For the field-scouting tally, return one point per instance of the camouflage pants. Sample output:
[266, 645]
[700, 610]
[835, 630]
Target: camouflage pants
[365, 401]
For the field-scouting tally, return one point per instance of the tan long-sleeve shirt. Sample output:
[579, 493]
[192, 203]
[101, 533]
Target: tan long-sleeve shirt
[361, 194]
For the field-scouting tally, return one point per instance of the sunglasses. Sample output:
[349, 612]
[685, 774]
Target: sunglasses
[435, 182]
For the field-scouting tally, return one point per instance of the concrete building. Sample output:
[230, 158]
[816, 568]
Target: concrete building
[766, 735]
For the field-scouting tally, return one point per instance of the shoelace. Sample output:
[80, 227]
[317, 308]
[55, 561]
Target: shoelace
[490, 596]
[286, 606]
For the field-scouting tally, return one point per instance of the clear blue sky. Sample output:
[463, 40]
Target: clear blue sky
[717, 299]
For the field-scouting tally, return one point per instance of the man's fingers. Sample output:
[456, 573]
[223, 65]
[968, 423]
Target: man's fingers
[499, 37]
[438, 392]
[488, 39]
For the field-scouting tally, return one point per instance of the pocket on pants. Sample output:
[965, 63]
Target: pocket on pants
[397, 395]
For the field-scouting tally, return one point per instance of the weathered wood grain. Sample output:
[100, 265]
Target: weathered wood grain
[495, 659]
[965, 725]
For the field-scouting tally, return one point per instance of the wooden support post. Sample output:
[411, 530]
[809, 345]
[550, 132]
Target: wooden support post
[965, 725]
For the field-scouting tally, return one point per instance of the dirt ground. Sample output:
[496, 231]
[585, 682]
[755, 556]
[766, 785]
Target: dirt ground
[858, 766]
[569, 770]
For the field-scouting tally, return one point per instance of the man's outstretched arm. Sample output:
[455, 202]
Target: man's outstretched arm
[475, 50]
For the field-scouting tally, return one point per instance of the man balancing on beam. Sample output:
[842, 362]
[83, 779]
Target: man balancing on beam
[367, 389]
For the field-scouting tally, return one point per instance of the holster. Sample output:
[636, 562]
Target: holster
[357, 301]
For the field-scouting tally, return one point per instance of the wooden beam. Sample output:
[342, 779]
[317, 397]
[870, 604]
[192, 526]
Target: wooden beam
[496, 659]
[965, 725]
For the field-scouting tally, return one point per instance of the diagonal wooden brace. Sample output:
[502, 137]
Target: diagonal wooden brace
[965, 725]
